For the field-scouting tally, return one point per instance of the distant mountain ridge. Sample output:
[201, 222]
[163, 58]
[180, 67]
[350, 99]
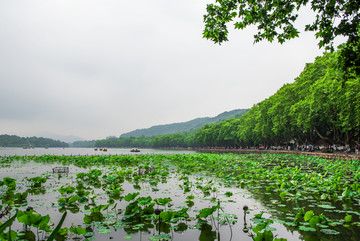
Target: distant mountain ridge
[194, 124]
[64, 138]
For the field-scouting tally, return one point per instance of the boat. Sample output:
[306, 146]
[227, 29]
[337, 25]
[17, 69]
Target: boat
[134, 150]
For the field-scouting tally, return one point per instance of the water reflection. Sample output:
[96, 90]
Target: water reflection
[245, 229]
[207, 234]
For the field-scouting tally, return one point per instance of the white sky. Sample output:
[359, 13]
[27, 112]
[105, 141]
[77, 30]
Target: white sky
[94, 68]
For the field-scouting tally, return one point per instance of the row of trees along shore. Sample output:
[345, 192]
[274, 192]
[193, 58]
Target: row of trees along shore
[322, 106]
[16, 141]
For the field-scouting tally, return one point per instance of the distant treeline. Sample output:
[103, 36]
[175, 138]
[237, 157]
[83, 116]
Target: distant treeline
[83, 144]
[16, 141]
[322, 106]
[223, 132]
[163, 141]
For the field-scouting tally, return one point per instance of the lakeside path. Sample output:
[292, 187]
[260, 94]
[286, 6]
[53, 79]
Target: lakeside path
[298, 153]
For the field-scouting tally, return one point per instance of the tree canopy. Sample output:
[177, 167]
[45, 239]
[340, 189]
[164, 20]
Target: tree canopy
[275, 21]
[16, 141]
[322, 106]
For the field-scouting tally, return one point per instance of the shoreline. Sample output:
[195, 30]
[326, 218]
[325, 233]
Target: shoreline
[298, 153]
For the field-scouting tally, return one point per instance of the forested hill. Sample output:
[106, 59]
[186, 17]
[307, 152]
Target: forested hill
[16, 141]
[185, 126]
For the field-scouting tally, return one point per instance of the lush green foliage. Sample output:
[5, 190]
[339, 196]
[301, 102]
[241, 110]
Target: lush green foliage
[275, 20]
[175, 140]
[16, 141]
[83, 144]
[322, 105]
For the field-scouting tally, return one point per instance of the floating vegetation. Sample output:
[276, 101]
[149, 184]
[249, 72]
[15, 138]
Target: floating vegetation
[169, 197]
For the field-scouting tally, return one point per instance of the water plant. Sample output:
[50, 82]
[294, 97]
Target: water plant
[159, 196]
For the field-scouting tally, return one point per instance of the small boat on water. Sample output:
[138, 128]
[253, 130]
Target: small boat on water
[101, 149]
[134, 150]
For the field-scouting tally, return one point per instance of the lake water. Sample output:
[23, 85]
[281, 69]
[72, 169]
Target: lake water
[252, 193]
[44, 201]
[15, 151]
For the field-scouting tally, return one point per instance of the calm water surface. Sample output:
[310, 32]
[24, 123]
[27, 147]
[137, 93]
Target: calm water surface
[12, 151]
[46, 203]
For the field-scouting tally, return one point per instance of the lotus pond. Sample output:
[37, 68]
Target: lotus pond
[179, 197]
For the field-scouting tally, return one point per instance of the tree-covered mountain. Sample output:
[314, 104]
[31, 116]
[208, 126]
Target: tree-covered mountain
[16, 141]
[195, 124]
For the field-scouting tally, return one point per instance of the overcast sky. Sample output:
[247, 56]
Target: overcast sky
[94, 68]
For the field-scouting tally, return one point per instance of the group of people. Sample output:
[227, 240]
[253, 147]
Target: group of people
[333, 148]
[312, 148]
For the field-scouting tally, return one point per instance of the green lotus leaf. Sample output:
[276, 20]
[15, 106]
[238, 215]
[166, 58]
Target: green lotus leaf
[308, 229]
[308, 215]
[329, 231]
[159, 237]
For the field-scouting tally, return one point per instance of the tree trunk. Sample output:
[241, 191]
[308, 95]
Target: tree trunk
[327, 139]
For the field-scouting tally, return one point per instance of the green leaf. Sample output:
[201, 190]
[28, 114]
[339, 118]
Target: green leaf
[166, 216]
[8, 223]
[330, 231]
[87, 219]
[228, 194]
[9, 236]
[283, 194]
[23, 217]
[77, 230]
[56, 230]
[308, 215]
[35, 218]
[313, 221]
[131, 196]
[63, 231]
[144, 200]
[104, 230]
[348, 219]
[308, 229]
[259, 215]
[268, 235]
[190, 197]
[162, 201]
[205, 212]
[160, 237]
[73, 199]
